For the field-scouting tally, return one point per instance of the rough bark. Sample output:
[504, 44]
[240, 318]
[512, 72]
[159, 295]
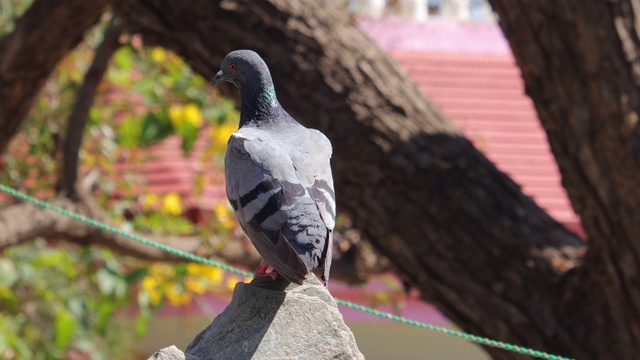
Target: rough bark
[453, 225]
[47, 31]
[585, 85]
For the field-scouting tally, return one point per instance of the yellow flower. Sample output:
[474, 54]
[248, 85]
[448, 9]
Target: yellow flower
[154, 297]
[158, 55]
[175, 114]
[192, 114]
[149, 283]
[223, 216]
[162, 271]
[177, 60]
[214, 275]
[194, 285]
[177, 296]
[222, 133]
[195, 268]
[189, 113]
[150, 200]
[151, 286]
[211, 274]
[171, 204]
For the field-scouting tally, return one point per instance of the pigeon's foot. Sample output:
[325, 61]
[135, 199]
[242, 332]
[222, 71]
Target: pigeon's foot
[265, 270]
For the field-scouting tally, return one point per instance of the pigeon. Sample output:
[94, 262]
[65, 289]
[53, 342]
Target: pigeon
[278, 177]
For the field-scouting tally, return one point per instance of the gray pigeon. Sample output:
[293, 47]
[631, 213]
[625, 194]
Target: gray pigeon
[278, 176]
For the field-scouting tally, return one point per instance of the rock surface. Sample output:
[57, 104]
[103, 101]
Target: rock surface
[168, 353]
[264, 322]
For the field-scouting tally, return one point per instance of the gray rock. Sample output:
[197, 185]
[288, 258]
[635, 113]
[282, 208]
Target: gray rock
[168, 353]
[264, 322]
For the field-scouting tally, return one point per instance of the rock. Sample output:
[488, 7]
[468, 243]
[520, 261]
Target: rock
[168, 353]
[264, 322]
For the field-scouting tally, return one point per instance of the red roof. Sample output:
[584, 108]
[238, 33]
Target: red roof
[465, 68]
[170, 171]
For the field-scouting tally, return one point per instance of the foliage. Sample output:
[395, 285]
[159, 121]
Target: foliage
[60, 301]
[176, 99]
[57, 298]
[9, 11]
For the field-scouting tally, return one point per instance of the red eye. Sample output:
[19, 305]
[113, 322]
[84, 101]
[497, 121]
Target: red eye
[233, 66]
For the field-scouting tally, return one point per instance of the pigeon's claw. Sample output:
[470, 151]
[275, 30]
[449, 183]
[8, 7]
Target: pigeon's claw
[265, 270]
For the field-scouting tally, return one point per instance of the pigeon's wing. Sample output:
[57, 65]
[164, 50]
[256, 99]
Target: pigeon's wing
[282, 193]
[321, 191]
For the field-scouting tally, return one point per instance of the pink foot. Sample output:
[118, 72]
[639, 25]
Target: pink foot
[265, 270]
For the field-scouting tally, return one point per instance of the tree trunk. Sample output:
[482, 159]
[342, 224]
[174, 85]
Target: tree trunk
[453, 225]
[585, 85]
[44, 34]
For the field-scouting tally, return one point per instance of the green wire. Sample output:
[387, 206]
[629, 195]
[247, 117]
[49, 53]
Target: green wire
[469, 337]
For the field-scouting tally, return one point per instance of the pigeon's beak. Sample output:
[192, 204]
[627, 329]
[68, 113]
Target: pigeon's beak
[216, 79]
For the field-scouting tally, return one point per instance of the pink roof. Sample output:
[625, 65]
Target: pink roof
[484, 96]
[468, 70]
[169, 171]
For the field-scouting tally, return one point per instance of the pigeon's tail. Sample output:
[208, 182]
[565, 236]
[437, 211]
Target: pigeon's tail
[277, 252]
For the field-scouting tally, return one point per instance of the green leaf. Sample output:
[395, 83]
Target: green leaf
[155, 127]
[130, 132]
[142, 321]
[65, 325]
[110, 282]
[78, 308]
[136, 275]
[104, 313]
[123, 58]
[8, 273]
[150, 89]
[189, 136]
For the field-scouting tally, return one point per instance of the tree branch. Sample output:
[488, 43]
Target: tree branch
[84, 101]
[47, 31]
[26, 221]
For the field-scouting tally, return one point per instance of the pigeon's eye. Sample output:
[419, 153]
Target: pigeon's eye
[233, 66]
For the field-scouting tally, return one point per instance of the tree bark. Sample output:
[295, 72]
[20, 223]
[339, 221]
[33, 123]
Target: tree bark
[47, 31]
[585, 86]
[452, 225]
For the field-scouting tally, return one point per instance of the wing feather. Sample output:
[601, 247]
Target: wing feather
[280, 185]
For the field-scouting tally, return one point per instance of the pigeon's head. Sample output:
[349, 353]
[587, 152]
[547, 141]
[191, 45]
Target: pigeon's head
[242, 67]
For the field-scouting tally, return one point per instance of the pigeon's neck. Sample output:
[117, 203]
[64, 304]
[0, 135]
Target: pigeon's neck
[259, 103]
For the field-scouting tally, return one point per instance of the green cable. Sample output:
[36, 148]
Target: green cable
[469, 337]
